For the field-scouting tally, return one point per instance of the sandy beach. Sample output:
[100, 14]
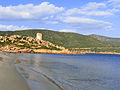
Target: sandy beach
[11, 79]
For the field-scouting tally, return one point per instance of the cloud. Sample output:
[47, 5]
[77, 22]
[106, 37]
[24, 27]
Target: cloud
[114, 0]
[84, 12]
[93, 5]
[114, 3]
[94, 9]
[11, 27]
[80, 23]
[50, 14]
[29, 11]
[67, 30]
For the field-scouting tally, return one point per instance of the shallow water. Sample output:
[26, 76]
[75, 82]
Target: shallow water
[77, 72]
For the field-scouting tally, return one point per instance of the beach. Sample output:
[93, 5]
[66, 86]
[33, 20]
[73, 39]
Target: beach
[12, 79]
[59, 72]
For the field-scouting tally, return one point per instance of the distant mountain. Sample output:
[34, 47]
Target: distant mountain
[65, 39]
[113, 41]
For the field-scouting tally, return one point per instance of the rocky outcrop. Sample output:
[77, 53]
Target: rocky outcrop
[30, 41]
[24, 44]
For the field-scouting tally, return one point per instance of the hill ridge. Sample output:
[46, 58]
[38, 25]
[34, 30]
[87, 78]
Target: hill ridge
[105, 39]
[65, 39]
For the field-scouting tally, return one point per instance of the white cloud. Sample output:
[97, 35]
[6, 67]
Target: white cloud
[114, 0]
[11, 27]
[95, 9]
[51, 22]
[86, 23]
[114, 10]
[67, 30]
[94, 5]
[115, 3]
[84, 12]
[29, 11]
[47, 13]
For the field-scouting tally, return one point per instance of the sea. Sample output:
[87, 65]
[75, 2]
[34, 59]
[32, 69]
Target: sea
[75, 72]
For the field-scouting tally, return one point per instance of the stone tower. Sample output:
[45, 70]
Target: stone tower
[39, 36]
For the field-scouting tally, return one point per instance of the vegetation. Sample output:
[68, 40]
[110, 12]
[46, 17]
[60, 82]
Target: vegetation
[24, 42]
[100, 49]
[5, 43]
[67, 40]
[72, 41]
[109, 40]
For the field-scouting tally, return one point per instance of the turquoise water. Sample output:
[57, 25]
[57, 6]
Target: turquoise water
[78, 72]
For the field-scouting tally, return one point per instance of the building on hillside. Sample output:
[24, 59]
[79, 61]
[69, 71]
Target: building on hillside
[39, 36]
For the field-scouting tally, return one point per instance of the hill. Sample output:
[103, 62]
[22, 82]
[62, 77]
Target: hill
[65, 39]
[113, 41]
[24, 42]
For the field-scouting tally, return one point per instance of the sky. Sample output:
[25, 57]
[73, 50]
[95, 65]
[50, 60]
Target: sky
[86, 17]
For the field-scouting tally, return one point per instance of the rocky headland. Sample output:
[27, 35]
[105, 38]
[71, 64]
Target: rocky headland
[26, 44]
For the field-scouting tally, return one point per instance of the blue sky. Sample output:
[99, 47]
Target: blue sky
[80, 16]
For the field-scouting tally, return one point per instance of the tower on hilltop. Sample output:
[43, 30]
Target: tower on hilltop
[39, 36]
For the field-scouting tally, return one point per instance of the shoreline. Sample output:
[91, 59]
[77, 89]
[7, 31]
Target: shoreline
[67, 53]
[51, 80]
[44, 83]
[38, 80]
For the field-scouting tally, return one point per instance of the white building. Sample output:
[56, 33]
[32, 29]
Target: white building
[39, 36]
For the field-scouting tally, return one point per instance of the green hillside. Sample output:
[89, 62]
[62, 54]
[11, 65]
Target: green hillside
[68, 40]
[113, 41]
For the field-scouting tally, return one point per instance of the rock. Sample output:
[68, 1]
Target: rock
[25, 44]
[17, 61]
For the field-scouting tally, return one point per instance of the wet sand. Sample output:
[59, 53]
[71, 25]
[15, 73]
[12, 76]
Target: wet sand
[37, 80]
[10, 79]
[42, 83]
